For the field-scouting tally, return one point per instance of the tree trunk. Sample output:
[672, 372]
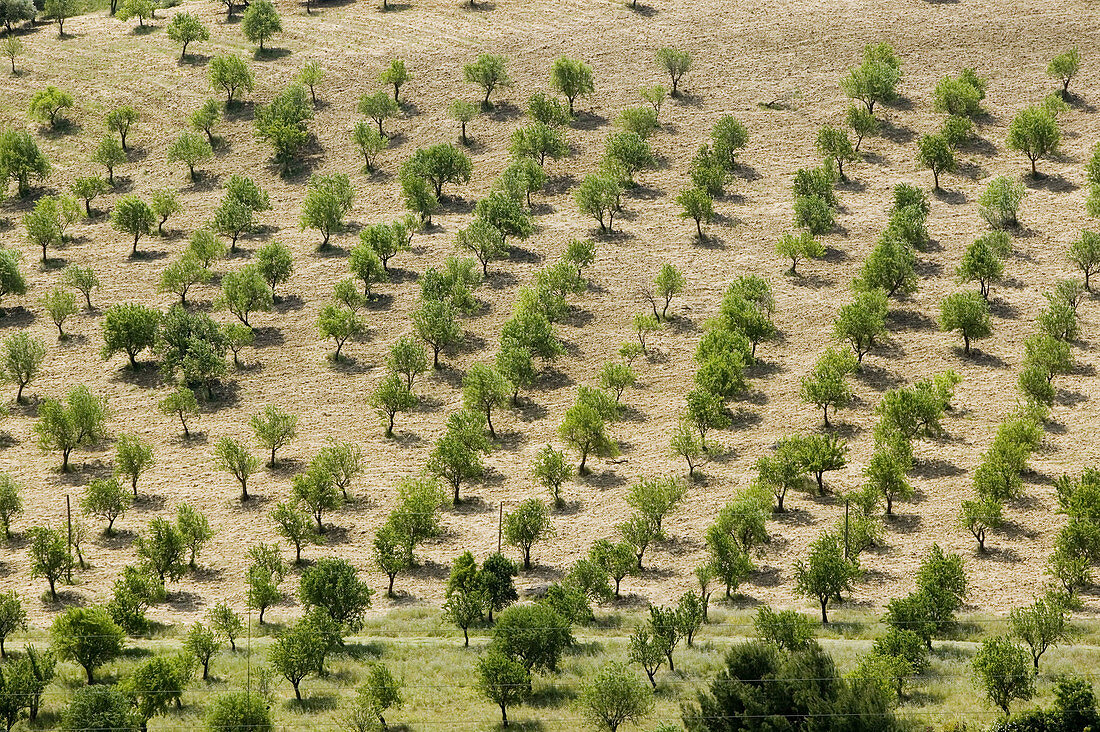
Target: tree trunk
[824, 614]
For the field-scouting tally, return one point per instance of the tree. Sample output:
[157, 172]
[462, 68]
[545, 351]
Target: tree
[205, 117]
[328, 199]
[48, 106]
[12, 281]
[76, 422]
[132, 458]
[162, 547]
[388, 552]
[294, 525]
[1064, 67]
[186, 28]
[1001, 671]
[697, 204]
[378, 106]
[121, 119]
[826, 573]
[155, 685]
[16, 11]
[889, 267]
[483, 389]
[1034, 131]
[238, 711]
[833, 144]
[201, 643]
[46, 223]
[370, 142]
[11, 46]
[797, 247]
[260, 22]
[395, 75]
[504, 681]
[332, 585]
[676, 63]
[392, 395]
[438, 165]
[614, 696]
[535, 635]
[226, 623]
[982, 264]
[1040, 625]
[484, 240]
[12, 617]
[183, 274]
[233, 458]
[382, 241]
[297, 653]
[457, 454]
[283, 125]
[654, 498]
[263, 578]
[814, 214]
[182, 404]
[584, 428]
[21, 360]
[876, 78]
[50, 559]
[819, 454]
[1085, 253]
[488, 71]
[407, 358]
[527, 524]
[435, 324]
[274, 429]
[99, 707]
[638, 532]
[87, 636]
[646, 651]
[861, 122]
[885, 473]
[572, 78]
[380, 693]
[11, 505]
[108, 500]
[140, 9]
[598, 197]
[462, 112]
[311, 75]
[539, 141]
[826, 385]
[190, 148]
[630, 153]
[968, 313]
[109, 154]
[87, 188]
[21, 160]
[934, 153]
[232, 74]
[552, 470]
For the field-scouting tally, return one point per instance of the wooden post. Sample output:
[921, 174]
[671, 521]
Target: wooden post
[845, 528]
[69, 521]
[500, 525]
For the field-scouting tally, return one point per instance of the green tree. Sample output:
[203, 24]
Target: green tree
[87, 188]
[245, 292]
[584, 428]
[551, 469]
[462, 112]
[504, 681]
[655, 498]
[526, 525]
[934, 153]
[572, 78]
[407, 358]
[814, 214]
[50, 558]
[1034, 131]
[132, 458]
[99, 707]
[826, 385]
[333, 585]
[968, 313]
[438, 165]
[861, 122]
[1001, 672]
[826, 573]
[832, 143]
[483, 389]
[328, 199]
[614, 696]
[489, 71]
[539, 141]
[11, 505]
[598, 196]
[698, 205]
[297, 653]
[260, 22]
[190, 148]
[380, 692]
[79, 420]
[316, 490]
[234, 458]
[456, 457]
[274, 429]
[1040, 625]
[629, 152]
[676, 63]
[1064, 67]
[1085, 253]
[231, 74]
[183, 274]
[186, 28]
[182, 404]
[797, 247]
[202, 643]
[379, 107]
[48, 105]
[392, 395]
[435, 324]
[395, 75]
[12, 617]
[108, 500]
[885, 473]
[238, 711]
[21, 160]
[21, 360]
[875, 80]
[981, 263]
[87, 636]
[162, 547]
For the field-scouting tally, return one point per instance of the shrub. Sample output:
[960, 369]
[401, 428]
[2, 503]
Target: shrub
[727, 137]
[1002, 673]
[614, 696]
[814, 214]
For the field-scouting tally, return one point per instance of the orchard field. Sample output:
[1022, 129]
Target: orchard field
[586, 212]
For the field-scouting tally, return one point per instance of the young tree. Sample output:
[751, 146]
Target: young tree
[87, 636]
[392, 395]
[798, 247]
[968, 313]
[614, 696]
[205, 117]
[202, 644]
[109, 154]
[379, 107]
[539, 141]
[21, 160]
[1085, 253]
[49, 554]
[297, 653]
[483, 389]
[527, 524]
[826, 573]
[435, 324]
[584, 428]
[889, 267]
[862, 123]
[182, 404]
[598, 196]
[328, 199]
[552, 470]
[488, 71]
[934, 153]
[833, 144]
[80, 420]
[107, 500]
[875, 80]
[260, 22]
[231, 74]
[181, 275]
[675, 63]
[1034, 131]
[11, 505]
[12, 281]
[226, 623]
[21, 360]
[232, 457]
[333, 586]
[186, 28]
[654, 498]
[572, 78]
[245, 292]
[981, 263]
[48, 106]
[503, 680]
[862, 321]
[885, 473]
[462, 112]
[1001, 671]
[1064, 67]
[696, 204]
[826, 385]
[456, 457]
[190, 148]
[1041, 625]
[407, 358]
